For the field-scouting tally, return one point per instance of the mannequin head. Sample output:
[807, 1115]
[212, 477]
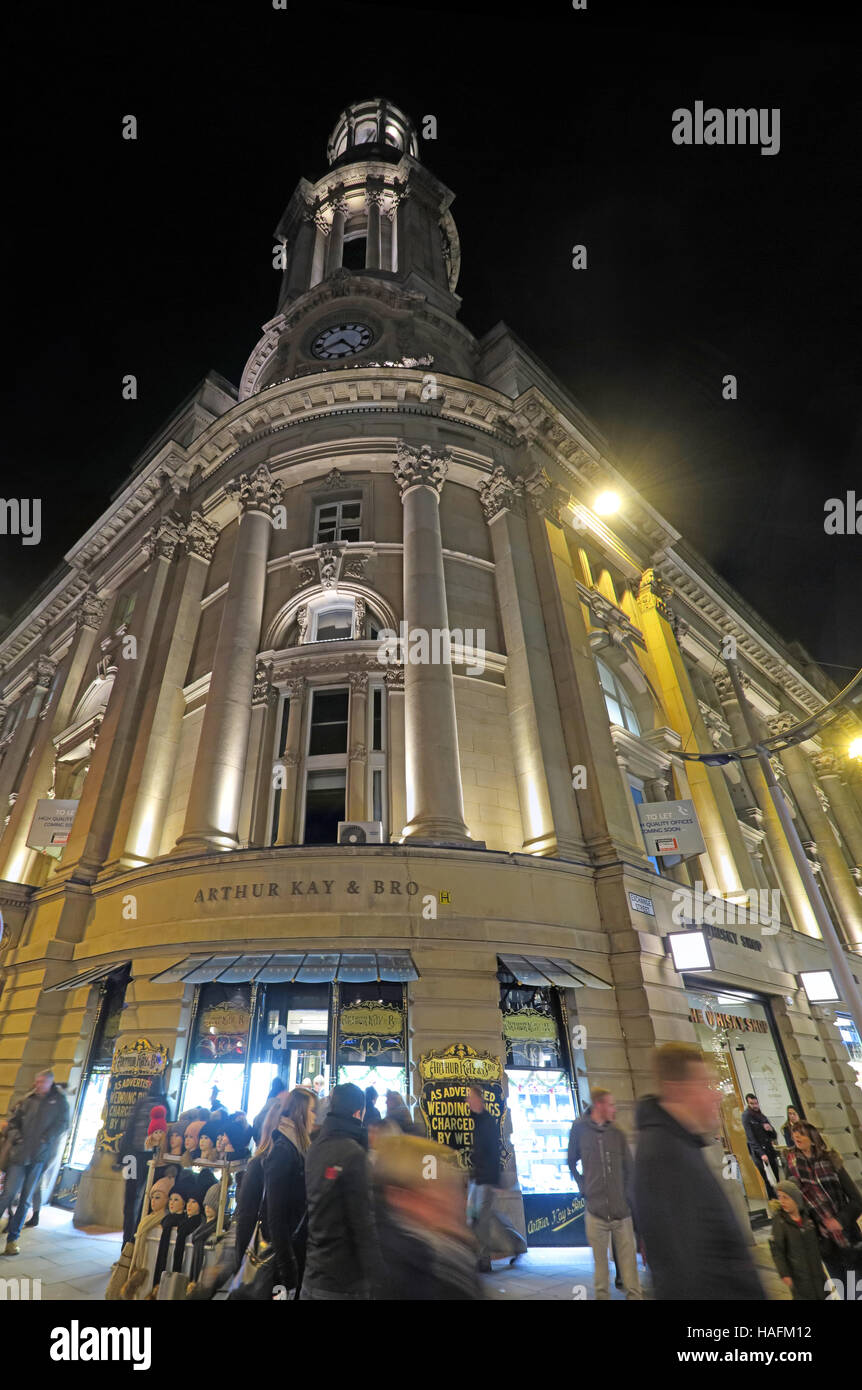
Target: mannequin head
[193, 1207]
[208, 1150]
[159, 1193]
[211, 1202]
[192, 1136]
[175, 1142]
[176, 1205]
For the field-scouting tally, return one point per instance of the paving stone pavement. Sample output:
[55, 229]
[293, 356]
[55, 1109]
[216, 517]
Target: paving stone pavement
[75, 1265]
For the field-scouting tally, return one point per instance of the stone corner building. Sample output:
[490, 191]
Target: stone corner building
[206, 679]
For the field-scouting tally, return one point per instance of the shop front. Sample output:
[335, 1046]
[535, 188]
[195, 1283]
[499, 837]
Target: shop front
[541, 1102]
[311, 1019]
[737, 1034]
[853, 1043]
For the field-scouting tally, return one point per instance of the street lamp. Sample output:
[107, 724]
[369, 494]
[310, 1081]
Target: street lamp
[606, 503]
[855, 749]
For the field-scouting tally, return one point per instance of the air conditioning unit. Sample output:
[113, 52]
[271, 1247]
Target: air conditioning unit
[360, 832]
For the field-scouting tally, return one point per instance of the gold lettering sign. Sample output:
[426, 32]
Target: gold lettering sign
[362, 1019]
[529, 1025]
[462, 1063]
[224, 1019]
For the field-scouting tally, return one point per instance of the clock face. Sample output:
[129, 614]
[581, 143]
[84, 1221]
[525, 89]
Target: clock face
[342, 340]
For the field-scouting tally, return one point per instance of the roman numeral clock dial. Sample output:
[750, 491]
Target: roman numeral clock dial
[341, 341]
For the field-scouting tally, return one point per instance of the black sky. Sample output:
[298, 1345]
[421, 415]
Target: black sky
[554, 128]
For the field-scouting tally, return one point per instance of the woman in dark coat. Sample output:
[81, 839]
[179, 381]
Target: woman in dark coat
[795, 1246]
[285, 1214]
[831, 1195]
[250, 1193]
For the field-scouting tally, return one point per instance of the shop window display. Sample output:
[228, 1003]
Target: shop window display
[540, 1092]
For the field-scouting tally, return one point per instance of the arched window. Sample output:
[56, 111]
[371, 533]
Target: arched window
[617, 700]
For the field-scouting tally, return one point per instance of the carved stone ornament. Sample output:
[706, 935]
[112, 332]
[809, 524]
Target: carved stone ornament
[329, 564]
[779, 724]
[45, 671]
[424, 465]
[91, 612]
[359, 618]
[358, 753]
[260, 492]
[826, 764]
[261, 687]
[499, 493]
[295, 689]
[724, 686]
[394, 677]
[333, 479]
[290, 758]
[163, 539]
[358, 680]
[302, 624]
[201, 537]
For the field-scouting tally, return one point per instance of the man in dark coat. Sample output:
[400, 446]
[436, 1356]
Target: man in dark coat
[341, 1260]
[36, 1127]
[493, 1230]
[601, 1151]
[692, 1239]
[760, 1137]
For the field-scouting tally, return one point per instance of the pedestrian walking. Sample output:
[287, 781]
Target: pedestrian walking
[760, 1138]
[398, 1116]
[426, 1251]
[372, 1114]
[278, 1088]
[494, 1232]
[341, 1258]
[36, 1127]
[692, 1240]
[795, 1246]
[601, 1152]
[832, 1197]
[285, 1213]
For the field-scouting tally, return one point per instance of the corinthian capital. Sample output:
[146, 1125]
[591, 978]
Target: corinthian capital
[260, 492]
[164, 538]
[424, 465]
[826, 764]
[499, 493]
[201, 538]
[45, 670]
[724, 686]
[779, 724]
[91, 612]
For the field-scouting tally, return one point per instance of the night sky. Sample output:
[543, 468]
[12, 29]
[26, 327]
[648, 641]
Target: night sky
[554, 128]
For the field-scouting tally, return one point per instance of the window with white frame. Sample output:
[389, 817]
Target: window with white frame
[325, 786]
[617, 700]
[338, 521]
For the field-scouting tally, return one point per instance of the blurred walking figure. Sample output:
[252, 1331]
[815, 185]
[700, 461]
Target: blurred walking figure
[372, 1114]
[278, 1088]
[426, 1250]
[795, 1247]
[398, 1115]
[493, 1231]
[36, 1126]
[341, 1259]
[760, 1137]
[602, 1151]
[692, 1239]
[285, 1215]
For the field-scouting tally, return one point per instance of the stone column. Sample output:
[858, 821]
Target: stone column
[542, 770]
[831, 768]
[335, 245]
[435, 799]
[291, 759]
[254, 811]
[394, 678]
[17, 862]
[357, 745]
[790, 884]
[212, 817]
[842, 888]
[373, 200]
[298, 273]
[19, 746]
[154, 788]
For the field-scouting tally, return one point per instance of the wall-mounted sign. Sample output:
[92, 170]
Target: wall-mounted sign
[52, 823]
[444, 1076]
[670, 827]
[641, 904]
[370, 1018]
[529, 1025]
[133, 1067]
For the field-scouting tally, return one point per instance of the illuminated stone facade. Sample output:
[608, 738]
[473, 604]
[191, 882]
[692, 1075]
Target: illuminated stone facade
[380, 465]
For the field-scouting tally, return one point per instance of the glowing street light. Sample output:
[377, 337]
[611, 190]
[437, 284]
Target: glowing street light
[607, 503]
[855, 749]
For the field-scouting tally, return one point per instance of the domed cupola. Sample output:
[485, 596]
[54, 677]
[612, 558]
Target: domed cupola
[369, 129]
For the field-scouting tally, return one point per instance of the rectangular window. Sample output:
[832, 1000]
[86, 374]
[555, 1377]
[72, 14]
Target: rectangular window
[377, 795]
[324, 806]
[328, 723]
[353, 255]
[376, 719]
[338, 521]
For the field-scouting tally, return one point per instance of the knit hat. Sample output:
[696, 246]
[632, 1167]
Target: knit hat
[237, 1135]
[165, 1185]
[158, 1120]
[211, 1196]
[791, 1190]
[193, 1129]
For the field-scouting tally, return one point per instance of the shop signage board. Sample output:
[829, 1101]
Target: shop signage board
[445, 1075]
[371, 1030]
[52, 823]
[555, 1218]
[223, 1029]
[642, 904]
[670, 827]
[529, 1025]
[133, 1067]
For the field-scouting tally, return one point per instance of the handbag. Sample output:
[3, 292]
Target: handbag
[255, 1278]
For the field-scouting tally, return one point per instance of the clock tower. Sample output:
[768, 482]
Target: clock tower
[371, 259]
